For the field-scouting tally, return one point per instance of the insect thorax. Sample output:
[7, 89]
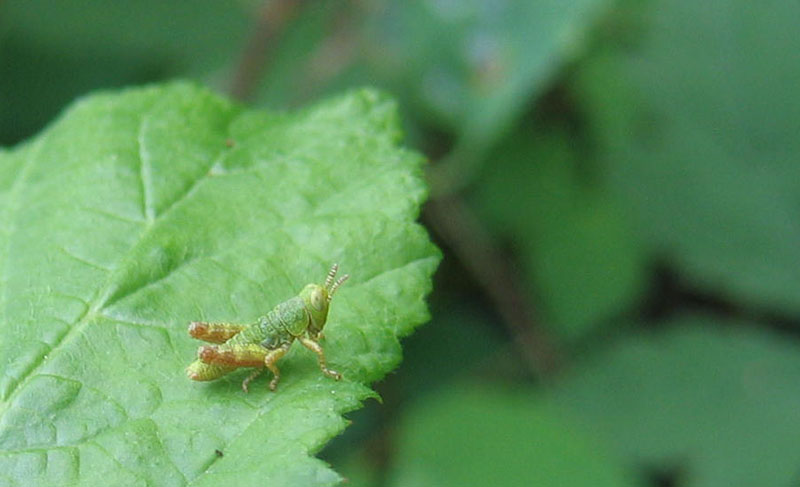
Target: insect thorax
[285, 322]
[293, 315]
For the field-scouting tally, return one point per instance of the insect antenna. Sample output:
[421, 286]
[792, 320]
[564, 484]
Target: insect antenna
[331, 276]
[336, 286]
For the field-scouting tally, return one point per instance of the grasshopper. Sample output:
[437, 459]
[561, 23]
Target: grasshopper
[263, 343]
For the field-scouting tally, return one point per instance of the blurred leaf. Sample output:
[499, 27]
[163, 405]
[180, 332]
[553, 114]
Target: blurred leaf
[699, 125]
[52, 51]
[137, 212]
[176, 31]
[28, 94]
[471, 65]
[467, 67]
[719, 406]
[458, 342]
[580, 254]
[479, 436]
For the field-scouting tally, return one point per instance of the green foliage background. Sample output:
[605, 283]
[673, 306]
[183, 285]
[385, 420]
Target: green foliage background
[614, 186]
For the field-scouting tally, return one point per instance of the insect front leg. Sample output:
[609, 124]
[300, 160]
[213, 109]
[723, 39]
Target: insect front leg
[317, 348]
[214, 332]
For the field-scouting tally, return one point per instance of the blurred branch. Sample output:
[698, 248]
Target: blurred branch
[272, 20]
[336, 51]
[456, 170]
[463, 232]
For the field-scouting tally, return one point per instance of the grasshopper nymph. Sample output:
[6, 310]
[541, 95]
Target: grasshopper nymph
[263, 343]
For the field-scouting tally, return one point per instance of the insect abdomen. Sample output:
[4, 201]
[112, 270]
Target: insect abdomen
[199, 370]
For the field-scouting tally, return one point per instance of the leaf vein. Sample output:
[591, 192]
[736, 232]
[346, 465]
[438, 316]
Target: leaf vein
[145, 174]
[9, 214]
[102, 300]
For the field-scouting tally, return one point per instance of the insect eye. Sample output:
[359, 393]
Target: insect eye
[317, 300]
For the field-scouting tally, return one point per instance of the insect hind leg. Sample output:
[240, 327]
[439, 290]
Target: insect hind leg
[214, 332]
[250, 355]
[234, 356]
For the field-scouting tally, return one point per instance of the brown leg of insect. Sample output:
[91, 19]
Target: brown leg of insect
[233, 355]
[272, 357]
[250, 377]
[214, 332]
[317, 348]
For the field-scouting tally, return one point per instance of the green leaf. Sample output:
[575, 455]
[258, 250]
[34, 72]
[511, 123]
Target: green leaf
[575, 241]
[698, 122]
[139, 211]
[480, 436]
[719, 407]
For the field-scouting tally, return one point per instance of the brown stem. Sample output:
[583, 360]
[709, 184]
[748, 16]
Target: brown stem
[453, 172]
[272, 20]
[473, 245]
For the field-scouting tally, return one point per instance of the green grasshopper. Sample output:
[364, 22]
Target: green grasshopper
[263, 343]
